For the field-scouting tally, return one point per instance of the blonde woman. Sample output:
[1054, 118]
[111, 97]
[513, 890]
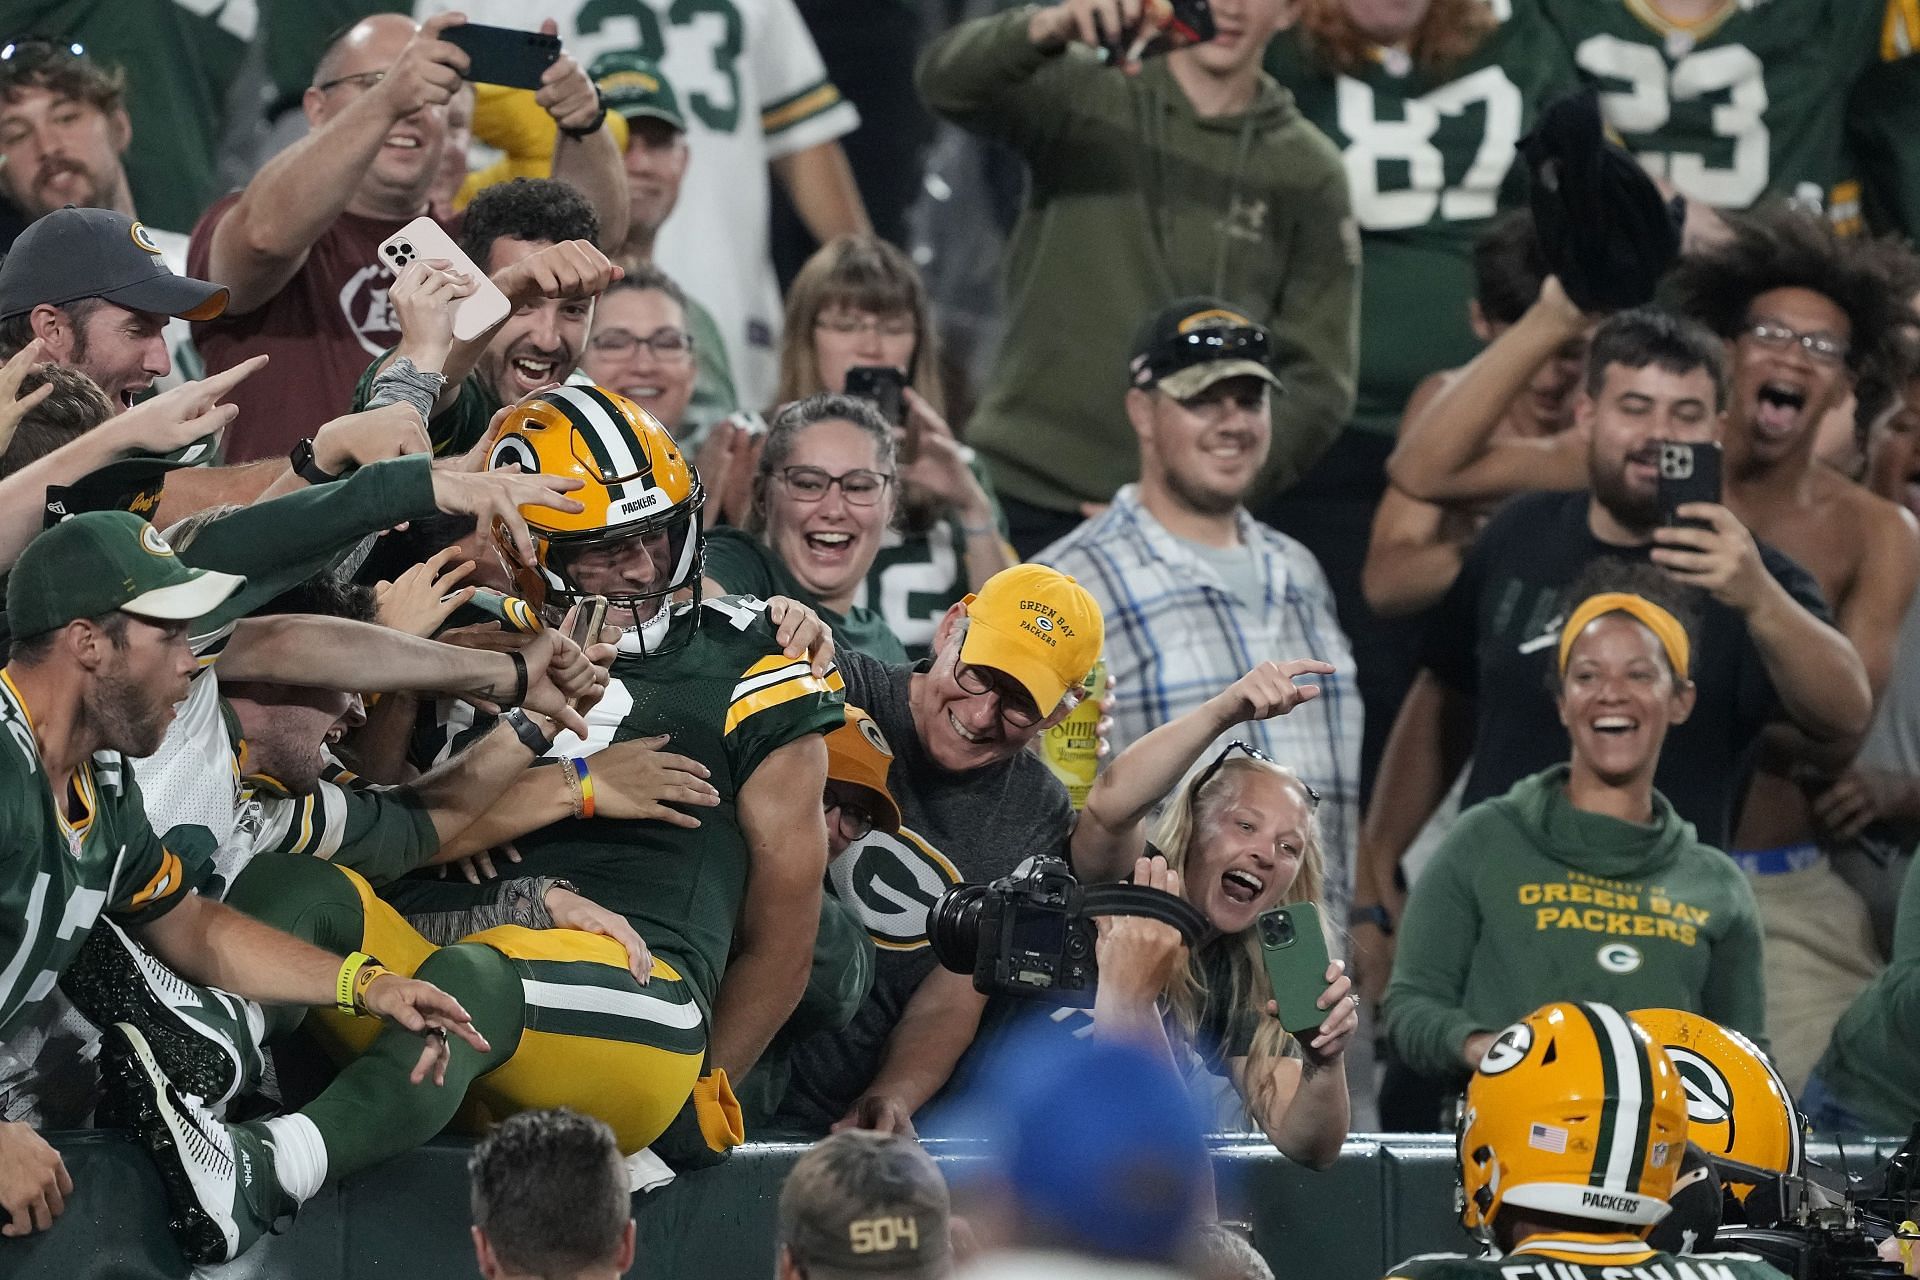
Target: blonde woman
[1237, 839]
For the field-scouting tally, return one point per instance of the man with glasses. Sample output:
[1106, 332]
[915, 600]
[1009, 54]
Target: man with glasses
[974, 804]
[298, 247]
[1200, 592]
[1805, 313]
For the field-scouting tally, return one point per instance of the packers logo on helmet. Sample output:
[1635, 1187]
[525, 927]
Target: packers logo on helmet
[1737, 1104]
[636, 487]
[1573, 1111]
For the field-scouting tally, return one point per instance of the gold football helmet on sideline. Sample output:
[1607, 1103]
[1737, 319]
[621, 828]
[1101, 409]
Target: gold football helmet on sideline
[636, 485]
[1737, 1104]
[1573, 1110]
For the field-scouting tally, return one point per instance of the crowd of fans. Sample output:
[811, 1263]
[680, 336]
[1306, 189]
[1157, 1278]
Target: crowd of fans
[445, 550]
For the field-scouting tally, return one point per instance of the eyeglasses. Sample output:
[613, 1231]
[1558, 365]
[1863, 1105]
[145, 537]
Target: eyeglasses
[862, 488]
[1252, 753]
[1823, 347]
[360, 80]
[855, 822]
[845, 322]
[667, 344]
[25, 53]
[1017, 707]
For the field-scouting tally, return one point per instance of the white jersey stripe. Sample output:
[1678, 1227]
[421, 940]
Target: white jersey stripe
[765, 679]
[620, 1004]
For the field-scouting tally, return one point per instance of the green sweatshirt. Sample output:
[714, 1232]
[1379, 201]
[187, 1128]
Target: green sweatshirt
[1135, 200]
[1529, 900]
[1872, 1064]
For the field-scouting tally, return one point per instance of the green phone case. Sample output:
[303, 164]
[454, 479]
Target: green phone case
[1296, 954]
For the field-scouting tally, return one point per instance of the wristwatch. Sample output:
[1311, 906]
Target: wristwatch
[587, 130]
[301, 456]
[1374, 914]
[530, 734]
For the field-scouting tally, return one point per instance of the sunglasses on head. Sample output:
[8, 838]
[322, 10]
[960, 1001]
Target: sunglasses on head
[25, 53]
[1253, 753]
[1207, 345]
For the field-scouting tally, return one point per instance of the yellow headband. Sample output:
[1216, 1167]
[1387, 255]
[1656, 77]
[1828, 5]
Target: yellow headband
[1665, 627]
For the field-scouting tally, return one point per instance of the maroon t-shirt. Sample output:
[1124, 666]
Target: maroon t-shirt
[321, 331]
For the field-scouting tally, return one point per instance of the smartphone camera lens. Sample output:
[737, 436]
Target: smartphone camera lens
[406, 249]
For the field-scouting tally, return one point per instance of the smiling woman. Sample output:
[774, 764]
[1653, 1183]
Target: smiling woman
[1581, 883]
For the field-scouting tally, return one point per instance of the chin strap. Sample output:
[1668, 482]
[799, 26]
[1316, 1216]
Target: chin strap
[1154, 904]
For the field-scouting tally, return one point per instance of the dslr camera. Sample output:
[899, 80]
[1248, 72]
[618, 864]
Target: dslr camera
[1032, 935]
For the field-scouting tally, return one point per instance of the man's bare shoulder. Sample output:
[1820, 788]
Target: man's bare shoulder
[1866, 513]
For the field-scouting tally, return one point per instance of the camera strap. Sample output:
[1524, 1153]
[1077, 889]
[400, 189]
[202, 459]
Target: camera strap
[1154, 904]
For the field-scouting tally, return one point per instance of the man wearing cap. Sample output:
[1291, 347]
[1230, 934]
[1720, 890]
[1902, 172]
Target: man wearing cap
[1195, 590]
[974, 803]
[299, 246]
[866, 1204]
[96, 288]
[99, 609]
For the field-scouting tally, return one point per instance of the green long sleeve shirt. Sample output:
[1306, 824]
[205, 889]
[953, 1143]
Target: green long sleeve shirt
[1134, 200]
[1529, 900]
[1872, 1064]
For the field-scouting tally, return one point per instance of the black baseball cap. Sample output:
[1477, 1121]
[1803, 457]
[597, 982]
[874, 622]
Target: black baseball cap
[1192, 343]
[75, 253]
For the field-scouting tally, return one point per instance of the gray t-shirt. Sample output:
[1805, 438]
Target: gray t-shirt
[955, 828]
[1237, 565]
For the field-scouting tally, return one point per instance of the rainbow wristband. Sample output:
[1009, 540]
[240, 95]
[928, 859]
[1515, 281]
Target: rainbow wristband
[586, 786]
[349, 986]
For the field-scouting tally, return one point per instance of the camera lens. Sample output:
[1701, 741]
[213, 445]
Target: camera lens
[406, 248]
[1275, 930]
[953, 926]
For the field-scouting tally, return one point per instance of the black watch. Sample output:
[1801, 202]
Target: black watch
[587, 130]
[531, 736]
[1374, 914]
[305, 467]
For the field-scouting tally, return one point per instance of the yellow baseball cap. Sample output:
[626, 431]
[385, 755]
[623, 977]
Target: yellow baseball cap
[1037, 625]
[858, 756]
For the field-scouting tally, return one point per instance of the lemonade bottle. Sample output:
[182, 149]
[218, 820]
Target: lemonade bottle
[1071, 748]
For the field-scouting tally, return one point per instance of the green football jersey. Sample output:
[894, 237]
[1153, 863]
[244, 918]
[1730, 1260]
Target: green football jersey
[1430, 158]
[1747, 103]
[1883, 117]
[729, 697]
[1578, 1256]
[56, 877]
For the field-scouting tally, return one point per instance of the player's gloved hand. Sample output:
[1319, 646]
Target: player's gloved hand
[640, 779]
[34, 1184]
[425, 1010]
[801, 633]
[571, 911]
[879, 1112]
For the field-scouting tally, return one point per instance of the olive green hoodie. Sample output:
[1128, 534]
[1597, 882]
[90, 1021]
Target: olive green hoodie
[1135, 200]
[1873, 1063]
[1529, 900]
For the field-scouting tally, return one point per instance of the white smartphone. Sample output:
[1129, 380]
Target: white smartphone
[476, 313]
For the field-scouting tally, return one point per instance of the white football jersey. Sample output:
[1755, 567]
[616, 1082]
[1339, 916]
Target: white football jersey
[753, 89]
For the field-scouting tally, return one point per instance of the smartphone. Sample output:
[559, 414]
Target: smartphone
[476, 313]
[1295, 950]
[1191, 23]
[590, 614]
[1688, 473]
[882, 384]
[502, 55]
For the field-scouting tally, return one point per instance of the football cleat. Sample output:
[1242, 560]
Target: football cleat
[200, 1037]
[221, 1187]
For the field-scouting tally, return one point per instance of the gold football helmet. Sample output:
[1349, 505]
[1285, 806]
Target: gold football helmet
[636, 486]
[1575, 1111]
[1737, 1104]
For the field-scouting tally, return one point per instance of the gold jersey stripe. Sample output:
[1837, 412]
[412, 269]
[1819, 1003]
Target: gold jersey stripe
[773, 695]
[790, 113]
[165, 882]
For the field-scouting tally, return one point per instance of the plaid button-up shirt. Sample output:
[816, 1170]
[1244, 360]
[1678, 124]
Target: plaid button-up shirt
[1176, 636]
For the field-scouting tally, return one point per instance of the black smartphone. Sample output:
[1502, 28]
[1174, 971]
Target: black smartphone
[883, 384]
[1688, 473]
[1191, 23]
[502, 55]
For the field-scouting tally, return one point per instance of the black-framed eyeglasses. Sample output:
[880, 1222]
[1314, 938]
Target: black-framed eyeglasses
[1823, 347]
[860, 487]
[855, 822]
[1017, 707]
[666, 343]
[360, 79]
[25, 53]
[1207, 345]
[1253, 753]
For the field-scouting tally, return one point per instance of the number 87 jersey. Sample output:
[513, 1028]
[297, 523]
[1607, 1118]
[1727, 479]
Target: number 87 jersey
[1744, 102]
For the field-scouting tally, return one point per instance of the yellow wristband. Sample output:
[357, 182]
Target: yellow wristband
[346, 986]
[364, 979]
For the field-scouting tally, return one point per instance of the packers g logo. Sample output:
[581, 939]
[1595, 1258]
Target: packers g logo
[890, 882]
[1709, 1095]
[143, 238]
[1618, 957]
[152, 543]
[871, 732]
[1508, 1050]
[511, 451]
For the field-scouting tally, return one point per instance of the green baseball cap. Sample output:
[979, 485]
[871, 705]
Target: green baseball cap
[102, 561]
[634, 87]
